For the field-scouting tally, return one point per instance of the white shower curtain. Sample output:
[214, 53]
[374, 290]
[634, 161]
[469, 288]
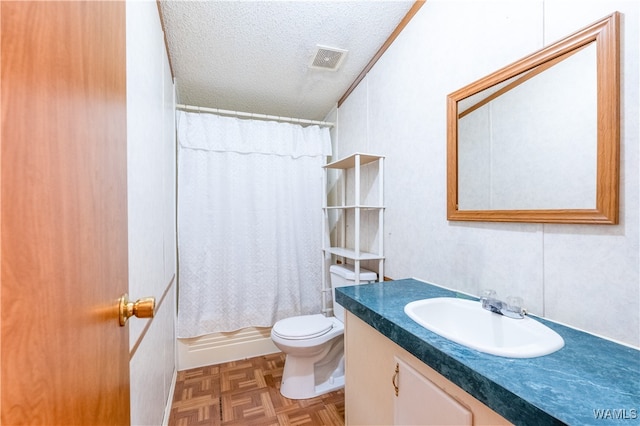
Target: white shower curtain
[249, 222]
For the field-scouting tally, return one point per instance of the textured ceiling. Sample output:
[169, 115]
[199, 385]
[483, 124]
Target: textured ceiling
[254, 56]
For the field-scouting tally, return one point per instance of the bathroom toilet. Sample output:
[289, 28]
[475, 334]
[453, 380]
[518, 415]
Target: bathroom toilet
[314, 344]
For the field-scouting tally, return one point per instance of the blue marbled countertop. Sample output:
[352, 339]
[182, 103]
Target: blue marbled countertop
[590, 381]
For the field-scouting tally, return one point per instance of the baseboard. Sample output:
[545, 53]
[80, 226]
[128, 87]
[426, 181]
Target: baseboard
[224, 347]
[167, 408]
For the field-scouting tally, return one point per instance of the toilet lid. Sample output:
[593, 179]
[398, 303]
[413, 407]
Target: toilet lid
[303, 327]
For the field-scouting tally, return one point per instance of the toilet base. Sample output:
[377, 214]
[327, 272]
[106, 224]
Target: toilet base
[330, 385]
[308, 377]
[303, 387]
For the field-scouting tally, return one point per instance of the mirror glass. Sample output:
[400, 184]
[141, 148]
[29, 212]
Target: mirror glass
[514, 155]
[537, 141]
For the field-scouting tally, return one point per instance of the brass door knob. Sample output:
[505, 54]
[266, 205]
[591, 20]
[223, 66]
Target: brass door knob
[141, 308]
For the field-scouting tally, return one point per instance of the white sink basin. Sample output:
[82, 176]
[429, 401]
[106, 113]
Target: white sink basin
[467, 323]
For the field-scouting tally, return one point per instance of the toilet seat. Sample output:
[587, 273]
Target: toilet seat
[303, 327]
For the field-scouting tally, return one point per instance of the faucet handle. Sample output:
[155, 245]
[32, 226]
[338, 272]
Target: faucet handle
[488, 293]
[514, 304]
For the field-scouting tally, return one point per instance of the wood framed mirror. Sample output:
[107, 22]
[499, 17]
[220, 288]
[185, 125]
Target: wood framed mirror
[539, 140]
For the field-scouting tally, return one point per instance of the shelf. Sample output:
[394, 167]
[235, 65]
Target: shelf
[350, 161]
[351, 254]
[352, 217]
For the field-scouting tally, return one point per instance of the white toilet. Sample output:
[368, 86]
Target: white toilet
[314, 344]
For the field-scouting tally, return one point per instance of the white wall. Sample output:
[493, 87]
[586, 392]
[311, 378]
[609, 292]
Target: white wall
[151, 206]
[587, 276]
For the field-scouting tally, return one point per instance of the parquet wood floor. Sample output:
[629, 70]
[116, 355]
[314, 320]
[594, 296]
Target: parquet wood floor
[247, 392]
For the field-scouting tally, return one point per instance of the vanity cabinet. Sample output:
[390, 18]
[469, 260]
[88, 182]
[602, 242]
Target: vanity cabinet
[376, 367]
[353, 214]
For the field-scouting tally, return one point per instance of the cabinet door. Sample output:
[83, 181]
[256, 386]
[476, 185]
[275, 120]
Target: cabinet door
[420, 402]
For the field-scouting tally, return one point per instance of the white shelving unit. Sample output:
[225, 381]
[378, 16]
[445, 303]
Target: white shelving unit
[354, 208]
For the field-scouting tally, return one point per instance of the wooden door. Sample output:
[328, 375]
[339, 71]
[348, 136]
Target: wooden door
[65, 359]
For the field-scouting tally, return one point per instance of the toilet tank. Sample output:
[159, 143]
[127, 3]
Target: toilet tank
[343, 275]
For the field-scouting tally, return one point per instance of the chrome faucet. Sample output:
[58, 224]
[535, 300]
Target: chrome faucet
[511, 308]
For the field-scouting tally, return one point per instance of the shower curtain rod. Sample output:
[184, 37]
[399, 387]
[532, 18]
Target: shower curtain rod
[253, 115]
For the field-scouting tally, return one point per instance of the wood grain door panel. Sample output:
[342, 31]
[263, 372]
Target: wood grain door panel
[64, 213]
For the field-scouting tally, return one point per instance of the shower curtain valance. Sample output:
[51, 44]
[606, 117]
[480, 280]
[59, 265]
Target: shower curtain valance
[230, 134]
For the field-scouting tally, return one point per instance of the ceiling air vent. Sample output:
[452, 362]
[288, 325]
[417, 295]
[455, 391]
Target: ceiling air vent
[328, 58]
